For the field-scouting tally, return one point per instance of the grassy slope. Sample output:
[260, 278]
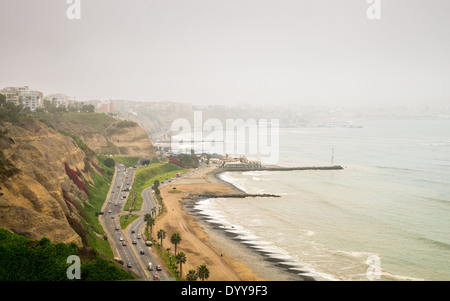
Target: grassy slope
[98, 191]
[99, 122]
[126, 219]
[97, 196]
[144, 178]
[127, 161]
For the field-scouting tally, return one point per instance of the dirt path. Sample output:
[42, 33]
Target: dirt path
[194, 240]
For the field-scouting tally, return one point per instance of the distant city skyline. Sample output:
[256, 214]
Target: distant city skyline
[322, 52]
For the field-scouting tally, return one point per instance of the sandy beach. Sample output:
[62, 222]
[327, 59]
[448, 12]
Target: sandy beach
[195, 242]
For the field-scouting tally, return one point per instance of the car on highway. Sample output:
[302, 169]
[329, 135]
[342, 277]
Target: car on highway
[141, 251]
[109, 202]
[117, 228]
[155, 277]
[124, 244]
[112, 216]
[139, 236]
[150, 266]
[129, 265]
[109, 211]
[121, 238]
[134, 241]
[132, 231]
[158, 268]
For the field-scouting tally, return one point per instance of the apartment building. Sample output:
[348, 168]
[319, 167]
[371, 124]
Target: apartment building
[23, 96]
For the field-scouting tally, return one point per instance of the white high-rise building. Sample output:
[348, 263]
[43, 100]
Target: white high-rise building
[23, 96]
[30, 98]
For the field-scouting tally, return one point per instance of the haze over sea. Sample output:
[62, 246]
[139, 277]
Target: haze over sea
[391, 200]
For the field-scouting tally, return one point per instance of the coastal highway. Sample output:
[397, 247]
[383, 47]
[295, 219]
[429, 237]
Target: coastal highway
[135, 233]
[136, 255]
[138, 227]
[111, 219]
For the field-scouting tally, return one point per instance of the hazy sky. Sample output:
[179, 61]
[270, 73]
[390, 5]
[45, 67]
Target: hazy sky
[229, 51]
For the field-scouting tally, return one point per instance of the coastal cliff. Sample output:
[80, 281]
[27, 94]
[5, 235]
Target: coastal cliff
[46, 172]
[37, 192]
[106, 135]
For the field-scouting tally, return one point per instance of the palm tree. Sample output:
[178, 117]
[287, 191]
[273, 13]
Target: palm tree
[161, 235]
[147, 217]
[181, 258]
[175, 239]
[191, 276]
[150, 223]
[203, 272]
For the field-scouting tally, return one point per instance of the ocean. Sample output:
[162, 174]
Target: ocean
[385, 216]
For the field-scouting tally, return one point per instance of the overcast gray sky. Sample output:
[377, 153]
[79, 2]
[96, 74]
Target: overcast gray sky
[227, 51]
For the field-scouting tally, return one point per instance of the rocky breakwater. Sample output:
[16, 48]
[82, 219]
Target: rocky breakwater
[38, 198]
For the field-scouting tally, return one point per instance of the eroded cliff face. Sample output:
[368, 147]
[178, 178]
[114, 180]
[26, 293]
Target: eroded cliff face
[131, 141]
[115, 137]
[38, 197]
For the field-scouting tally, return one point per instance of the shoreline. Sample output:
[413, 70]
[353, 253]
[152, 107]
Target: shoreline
[262, 261]
[282, 264]
[195, 241]
[228, 257]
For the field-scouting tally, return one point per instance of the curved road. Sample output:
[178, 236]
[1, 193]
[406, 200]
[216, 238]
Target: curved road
[138, 227]
[129, 245]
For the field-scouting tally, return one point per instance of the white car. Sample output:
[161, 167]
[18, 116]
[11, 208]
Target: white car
[121, 238]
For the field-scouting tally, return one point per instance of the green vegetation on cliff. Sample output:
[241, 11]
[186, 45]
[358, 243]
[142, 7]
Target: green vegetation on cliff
[98, 190]
[185, 160]
[23, 259]
[127, 161]
[89, 153]
[102, 174]
[102, 133]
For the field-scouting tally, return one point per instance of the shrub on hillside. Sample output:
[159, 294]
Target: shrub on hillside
[73, 175]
